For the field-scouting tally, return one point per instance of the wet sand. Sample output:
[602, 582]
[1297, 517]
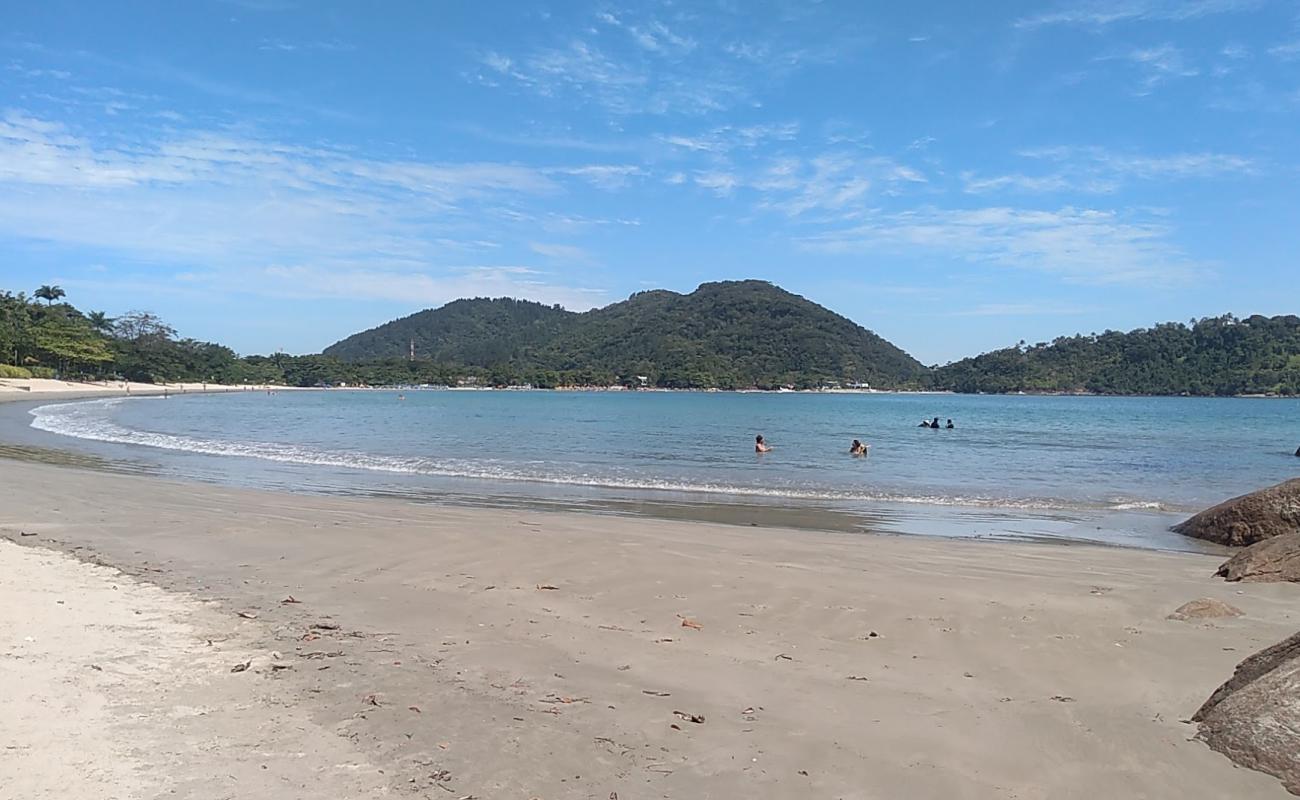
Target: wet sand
[505, 653]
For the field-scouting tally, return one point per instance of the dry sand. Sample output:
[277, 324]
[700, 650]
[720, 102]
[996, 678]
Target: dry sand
[511, 654]
[19, 389]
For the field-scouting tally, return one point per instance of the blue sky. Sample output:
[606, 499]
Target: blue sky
[956, 176]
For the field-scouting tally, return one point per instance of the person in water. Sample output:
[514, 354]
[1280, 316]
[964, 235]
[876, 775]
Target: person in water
[925, 423]
[760, 446]
[935, 424]
[858, 448]
[950, 426]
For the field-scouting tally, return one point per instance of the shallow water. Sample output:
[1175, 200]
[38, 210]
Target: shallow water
[1018, 466]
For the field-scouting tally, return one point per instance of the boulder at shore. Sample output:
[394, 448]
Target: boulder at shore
[1204, 608]
[1254, 718]
[1276, 559]
[1250, 518]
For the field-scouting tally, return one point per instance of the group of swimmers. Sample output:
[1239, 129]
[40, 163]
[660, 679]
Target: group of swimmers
[855, 449]
[860, 449]
[935, 424]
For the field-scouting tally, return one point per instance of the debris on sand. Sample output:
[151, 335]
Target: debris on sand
[246, 614]
[325, 625]
[687, 622]
[290, 600]
[698, 719]
[547, 587]
[242, 666]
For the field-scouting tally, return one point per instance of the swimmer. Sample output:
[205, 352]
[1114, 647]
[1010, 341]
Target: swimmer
[858, 448]
[761, 446]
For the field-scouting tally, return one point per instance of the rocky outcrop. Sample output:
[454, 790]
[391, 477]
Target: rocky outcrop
[1250, 518]
[1272, 560]
[1205, 608]
[1254, 718]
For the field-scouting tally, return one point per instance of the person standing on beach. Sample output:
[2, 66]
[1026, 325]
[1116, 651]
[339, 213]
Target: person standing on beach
[761, 446]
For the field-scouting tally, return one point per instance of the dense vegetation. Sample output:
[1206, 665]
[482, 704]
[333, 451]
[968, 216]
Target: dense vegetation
[728, 335]
[1212, 356]
[734, 334]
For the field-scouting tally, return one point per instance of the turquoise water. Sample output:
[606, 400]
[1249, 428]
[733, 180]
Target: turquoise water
[1016, 456]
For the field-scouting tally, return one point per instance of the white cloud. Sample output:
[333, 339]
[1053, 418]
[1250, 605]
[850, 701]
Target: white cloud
[1100, 13]
[1077, 244]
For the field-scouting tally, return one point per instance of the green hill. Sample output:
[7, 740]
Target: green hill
[1212, 356]
[729, 334]
[476, 333]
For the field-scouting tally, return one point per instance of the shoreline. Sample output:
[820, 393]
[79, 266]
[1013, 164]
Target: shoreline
[14, 390]
[823, 665]
[1138, 528]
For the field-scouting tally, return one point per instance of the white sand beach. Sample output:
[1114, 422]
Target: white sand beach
[451, 652]
[18, 389]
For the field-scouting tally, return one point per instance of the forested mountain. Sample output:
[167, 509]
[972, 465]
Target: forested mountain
[732, 334]
[1212, 356]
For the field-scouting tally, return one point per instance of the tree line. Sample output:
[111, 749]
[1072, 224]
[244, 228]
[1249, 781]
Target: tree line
[711, 339]
[1212, 356]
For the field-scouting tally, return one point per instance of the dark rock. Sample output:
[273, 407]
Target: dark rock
[1254, 718]
[1205, 608]
[1250, 518]
[1272, 560]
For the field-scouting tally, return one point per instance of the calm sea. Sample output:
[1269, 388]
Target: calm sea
[1110, 469]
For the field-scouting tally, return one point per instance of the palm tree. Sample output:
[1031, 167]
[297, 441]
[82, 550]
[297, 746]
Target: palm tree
[50, 293]
[100, 321]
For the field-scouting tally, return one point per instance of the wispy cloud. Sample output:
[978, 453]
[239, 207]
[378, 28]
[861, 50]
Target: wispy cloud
[319, 45]
[1098, 170]
[565, 253]
[581, 70]
[1160, 64]
[1040, 309]
[725, 138]
[603, 176]
[417, 288]
[1077, 244]
[1287, 51]
[236, 205]
[1100, 13]
[653, 35]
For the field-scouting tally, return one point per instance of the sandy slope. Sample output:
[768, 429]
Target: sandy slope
[996, 671]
